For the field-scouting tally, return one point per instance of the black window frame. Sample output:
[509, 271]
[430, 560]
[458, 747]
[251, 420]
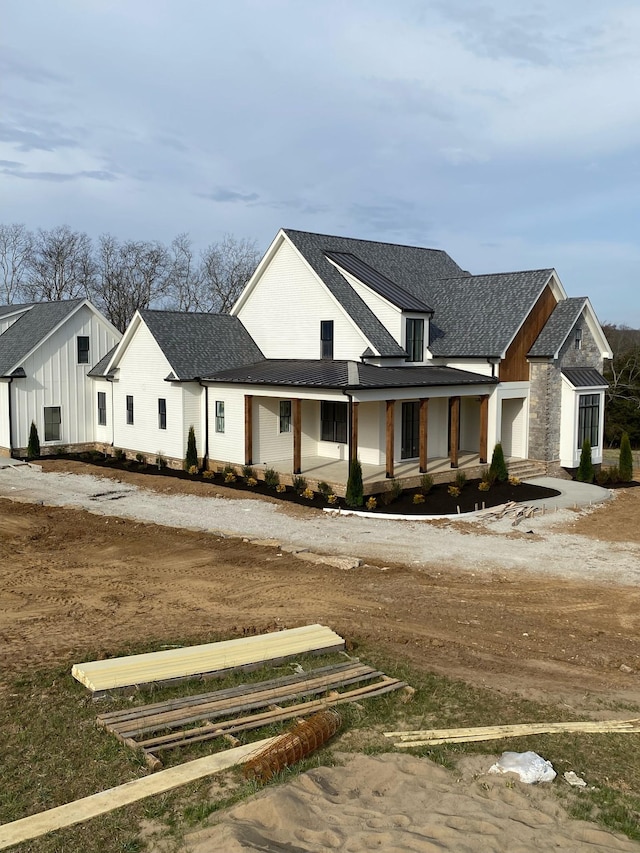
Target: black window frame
[129, 406]
[50, 422]
[102, 408]
[333, 421]
[220, 416]
[285, 416]
[83, 347]
[162, 412]
[414, 344]
[589, 419]
[326, 339]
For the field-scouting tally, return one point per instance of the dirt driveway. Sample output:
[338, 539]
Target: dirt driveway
[73, 582]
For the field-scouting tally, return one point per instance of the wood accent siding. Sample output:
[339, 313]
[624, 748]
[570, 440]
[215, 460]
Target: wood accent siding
[515, 367]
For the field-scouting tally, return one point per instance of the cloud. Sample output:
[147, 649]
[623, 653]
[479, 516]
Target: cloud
[34, 140]
[11, 65]
[56, 177]
[223, 195]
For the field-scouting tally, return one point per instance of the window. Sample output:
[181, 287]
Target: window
[285, 415]
[129, 409]
[102, 408]
[162, 413]
[578, 339]
[83, 349]
[588, 419]
[219, 415]
[326, 339]
[52, 422]
[333, 422]
[415, 339]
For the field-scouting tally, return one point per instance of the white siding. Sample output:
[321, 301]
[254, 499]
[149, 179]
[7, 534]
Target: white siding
[54, 378]
[438, 428]
[389, 315]
[227, 446]
[470, 424]
[103, 434]
[4, 414]
[284, 310]
[513, 427]
[371, 433]
[269, 444]
[193, 412]
[142, 370]
[480, 366]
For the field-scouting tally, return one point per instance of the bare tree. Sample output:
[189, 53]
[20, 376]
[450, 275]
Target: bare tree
[226, 267]
[131, 275]
[61, 265]
[184, 278]
[16, 246]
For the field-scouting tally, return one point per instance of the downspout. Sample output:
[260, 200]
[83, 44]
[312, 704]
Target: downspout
[205, 460]
[349, 430]
[10, 414]
[113, 423]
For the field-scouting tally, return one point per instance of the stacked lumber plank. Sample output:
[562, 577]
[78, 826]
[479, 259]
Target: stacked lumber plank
[517, 512]
[209, 659]
[193, 719]
[433, 737]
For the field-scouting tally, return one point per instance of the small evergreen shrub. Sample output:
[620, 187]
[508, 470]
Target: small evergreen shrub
[324, 489]
[141, 458]
[498, 466]
[191, 458]
[614, 474]
[461, 479]
[487, 476]
[625, 463]
[299, 484]
[355, 490]
[33, 447]
[271, 478]
[585, 472]
[248, 473]
[119, 454]
[426, 483]
[161, 462]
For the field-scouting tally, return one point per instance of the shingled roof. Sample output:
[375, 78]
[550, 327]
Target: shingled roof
[32, 327]
[345, 375]
[473, 316]
[557, 328]
[196, 345]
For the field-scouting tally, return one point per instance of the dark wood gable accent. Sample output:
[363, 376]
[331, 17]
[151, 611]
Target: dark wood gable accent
[515, 367]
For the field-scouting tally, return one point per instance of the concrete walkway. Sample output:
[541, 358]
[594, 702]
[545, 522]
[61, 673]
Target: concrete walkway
[572, 493]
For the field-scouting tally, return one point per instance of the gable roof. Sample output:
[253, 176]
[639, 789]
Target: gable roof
[408, 267]
[379, 283]
[198, 344]
[557, 328]
[343, 375]
[100, 369]
[6, 310]
[30, 329]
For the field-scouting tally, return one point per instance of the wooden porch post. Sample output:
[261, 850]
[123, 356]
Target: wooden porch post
[484, 427]
[354, 430]
[423, 433]
[248, 429]
[390, 436]
[454, 433]
[297, 436]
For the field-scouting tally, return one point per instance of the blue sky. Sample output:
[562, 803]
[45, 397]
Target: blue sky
[506, 133]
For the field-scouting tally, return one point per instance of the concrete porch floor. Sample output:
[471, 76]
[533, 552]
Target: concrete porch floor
[335, 472]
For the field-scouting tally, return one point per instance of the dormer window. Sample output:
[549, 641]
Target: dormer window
[415, 339]
[578, 339]
[326, 339]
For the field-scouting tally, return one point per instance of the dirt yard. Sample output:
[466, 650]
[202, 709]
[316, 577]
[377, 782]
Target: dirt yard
[73, 582]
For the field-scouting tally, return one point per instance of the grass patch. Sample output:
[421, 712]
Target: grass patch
[55, 753]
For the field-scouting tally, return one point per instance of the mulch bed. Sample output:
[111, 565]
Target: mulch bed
[437, 502]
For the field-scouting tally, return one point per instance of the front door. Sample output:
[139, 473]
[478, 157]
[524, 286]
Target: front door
[410, 447]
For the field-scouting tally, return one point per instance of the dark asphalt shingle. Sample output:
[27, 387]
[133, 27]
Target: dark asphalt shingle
[98, 370]
[557, 327]
[34, 325]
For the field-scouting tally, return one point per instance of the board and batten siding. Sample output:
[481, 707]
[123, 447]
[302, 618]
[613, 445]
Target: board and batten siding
[284, 310]
[480, 366]
[54, 378]
[103, 433]
[227, 446]
[5, 439]
[142, 371]
[269, 444]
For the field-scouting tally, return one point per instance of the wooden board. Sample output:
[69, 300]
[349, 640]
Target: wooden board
[113, 798]
[115, 673]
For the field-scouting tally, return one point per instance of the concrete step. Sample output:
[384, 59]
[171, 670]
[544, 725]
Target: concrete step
[525, 469]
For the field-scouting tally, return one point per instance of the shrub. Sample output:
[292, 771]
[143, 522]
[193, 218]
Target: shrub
[230, 477]
[585, 473]
[324, 489]
[33, 447]
[191, 458]
[299, 484]
[209, 475]
[484, 486]
[614, 474]
[141, 458]
[454, 491]
[193, 469]
[355, 489]
[281, 488]
[487, 476]
[498, 466]
[514, 481]
[119, 454]
[371, 504]
[461, 479]
[248, 473]
[308, 494]
[426, 483]
[252, 482]
[161, 462]
[332, 499]
[625, 463]
[271, 478]
[418, 498]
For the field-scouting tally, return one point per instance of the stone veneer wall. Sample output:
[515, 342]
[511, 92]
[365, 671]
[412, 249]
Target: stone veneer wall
[546, 392]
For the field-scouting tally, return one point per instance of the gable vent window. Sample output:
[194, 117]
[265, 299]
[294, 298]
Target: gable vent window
[129, 409]
[285, 415]
[219, 415]
[326, 339]
[83, 349]
[102, 408]
[162, 413]
[578, 339]
[415, 339]
[52, 421]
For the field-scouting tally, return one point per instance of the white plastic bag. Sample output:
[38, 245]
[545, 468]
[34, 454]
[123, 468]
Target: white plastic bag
[529, 766]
